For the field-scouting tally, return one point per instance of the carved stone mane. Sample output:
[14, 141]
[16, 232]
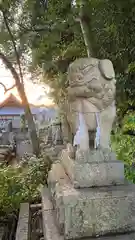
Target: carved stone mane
[92, 90]
[79, 69]
[94, 79]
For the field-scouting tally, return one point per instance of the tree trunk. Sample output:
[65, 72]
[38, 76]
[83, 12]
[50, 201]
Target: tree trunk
[85, 23]
[21, 91]
[85, 33]
[31, 124]
[20, 85]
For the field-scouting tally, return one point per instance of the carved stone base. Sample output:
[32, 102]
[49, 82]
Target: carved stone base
[51, 231]
[96, 170]
[91, 211]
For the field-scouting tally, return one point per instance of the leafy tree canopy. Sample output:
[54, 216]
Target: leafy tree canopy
[49, 35]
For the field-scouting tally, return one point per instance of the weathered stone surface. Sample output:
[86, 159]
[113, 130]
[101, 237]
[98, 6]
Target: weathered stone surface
[92, 211]
[46, 203]
[22, 232]
[94, 173]
[90, 156]
[56, 179]
[92, 87]
[49, 227]
[57, 174]
[51, 231]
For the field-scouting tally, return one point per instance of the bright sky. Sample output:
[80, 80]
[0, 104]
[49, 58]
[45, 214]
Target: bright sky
[36, 93]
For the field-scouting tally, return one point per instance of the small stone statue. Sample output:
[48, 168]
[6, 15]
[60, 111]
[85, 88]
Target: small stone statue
[91, 94]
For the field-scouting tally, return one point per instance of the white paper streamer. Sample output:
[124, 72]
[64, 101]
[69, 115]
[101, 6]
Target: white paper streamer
[81, 138]
[97, 138]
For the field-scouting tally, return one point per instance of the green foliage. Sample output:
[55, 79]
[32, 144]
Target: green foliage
[129, 122]
[125, 93]
[112, 33]
[22, 184]
[131, 67]
[60, 44]
[124, 147]
[123, 143]
[51, 32]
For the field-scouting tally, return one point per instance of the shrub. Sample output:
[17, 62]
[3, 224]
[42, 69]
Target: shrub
[22, 184]
[124, 145]
[129, 123]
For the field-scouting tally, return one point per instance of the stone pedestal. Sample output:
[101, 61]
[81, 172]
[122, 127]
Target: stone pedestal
[91, 169]
[90, 196]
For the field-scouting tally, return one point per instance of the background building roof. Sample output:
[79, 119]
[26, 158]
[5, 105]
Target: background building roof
[12, 101]
[12, 106]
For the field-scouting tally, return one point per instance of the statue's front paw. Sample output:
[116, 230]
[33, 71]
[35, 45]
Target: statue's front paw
[71, 150]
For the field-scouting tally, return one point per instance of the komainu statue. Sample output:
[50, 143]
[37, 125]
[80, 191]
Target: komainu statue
[90, 106]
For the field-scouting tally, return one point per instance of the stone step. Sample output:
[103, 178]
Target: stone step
[51, 231]
[49, 228]
[22, 232]
[46, 203]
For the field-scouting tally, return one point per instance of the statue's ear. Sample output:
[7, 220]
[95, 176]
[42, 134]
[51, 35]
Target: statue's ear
[106, 68]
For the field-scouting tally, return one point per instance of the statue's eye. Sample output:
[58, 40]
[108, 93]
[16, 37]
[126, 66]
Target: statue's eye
[79, 77]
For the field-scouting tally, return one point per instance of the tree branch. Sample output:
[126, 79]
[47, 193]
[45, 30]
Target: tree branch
[7, 89]
[14, 44]
[9, 65]
[34, 29]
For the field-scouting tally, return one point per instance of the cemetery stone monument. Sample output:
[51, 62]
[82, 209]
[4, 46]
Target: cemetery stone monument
[55, 133]
[49, 136]
[89, 193]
